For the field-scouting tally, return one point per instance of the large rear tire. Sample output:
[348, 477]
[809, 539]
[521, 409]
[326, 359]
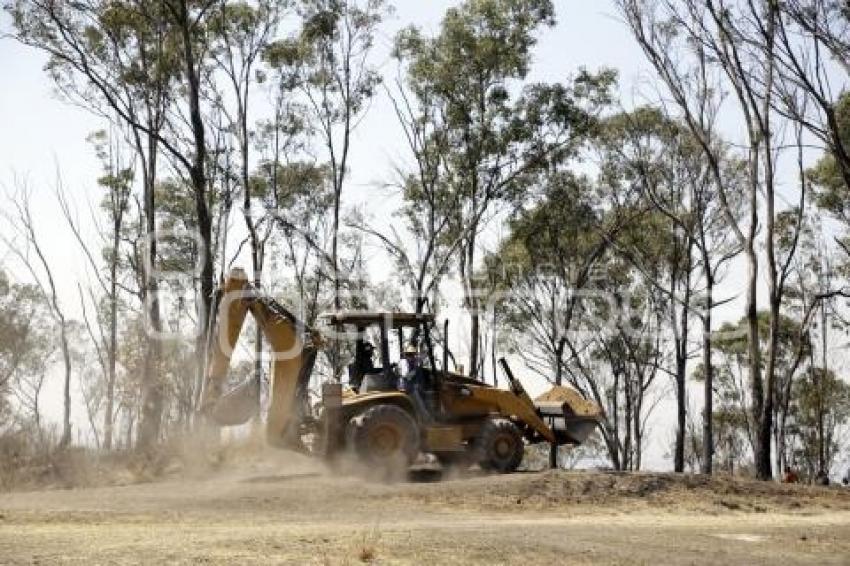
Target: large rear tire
[499, 446]
[385, 437]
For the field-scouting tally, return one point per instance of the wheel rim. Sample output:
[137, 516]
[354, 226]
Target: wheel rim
[385, 441]
[503, 447]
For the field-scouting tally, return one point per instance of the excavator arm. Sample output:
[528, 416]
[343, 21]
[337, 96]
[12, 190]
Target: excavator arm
[293, 349]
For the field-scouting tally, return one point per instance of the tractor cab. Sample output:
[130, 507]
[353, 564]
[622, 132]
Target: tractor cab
[392, 352]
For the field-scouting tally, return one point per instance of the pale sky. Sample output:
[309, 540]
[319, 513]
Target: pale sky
[41, 134]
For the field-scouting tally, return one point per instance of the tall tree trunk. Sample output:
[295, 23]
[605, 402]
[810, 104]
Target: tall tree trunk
[474, 338]
[65, 441]
[258, 335]
[615, 418]
[113, 340]
[760, 444]
[613, 450]
[50, 294]
[472, 305]
[638, 431]
[708, 410]
[119, 204]
[822, 464]
[559, 372]
[775, 281]
[335, 249]
[681, 403]
[198, 178]
[151, 411]
[627, 442]
[250, 224]
[681, 327]
[780, 439]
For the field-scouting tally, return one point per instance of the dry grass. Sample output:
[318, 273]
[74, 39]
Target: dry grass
[26, 467]
[367, 545]
[367, 553]
[282, 508]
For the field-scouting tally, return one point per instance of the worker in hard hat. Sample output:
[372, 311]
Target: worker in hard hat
[413, 380]
[411, 357]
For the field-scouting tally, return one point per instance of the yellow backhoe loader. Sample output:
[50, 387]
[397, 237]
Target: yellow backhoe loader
[387, 415]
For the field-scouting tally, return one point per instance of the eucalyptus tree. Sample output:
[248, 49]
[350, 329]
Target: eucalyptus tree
[820, 409]
[28, 248]
[616, 354]
[831, 191]
[731, 345]
[423, 254]
[116, 181]
[126, 59]
[302, 190]
[562, 288]
[813, 66]
[545, 264]
[243, 31]
[495, 138]
[817, 283]
[328, 63]
[639, 147]
[633, 354]
[544, 271]
[27, 346]
[700, 50]
[295, 187]
[681, 245]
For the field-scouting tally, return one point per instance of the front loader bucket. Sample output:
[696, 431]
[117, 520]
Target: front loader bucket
[570, 416]
[572, 430]
[237, 406]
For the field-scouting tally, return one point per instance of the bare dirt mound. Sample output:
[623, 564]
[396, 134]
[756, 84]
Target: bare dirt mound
[250, 472]
[579, 491]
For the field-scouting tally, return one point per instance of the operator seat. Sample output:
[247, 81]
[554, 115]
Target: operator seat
[378, 380]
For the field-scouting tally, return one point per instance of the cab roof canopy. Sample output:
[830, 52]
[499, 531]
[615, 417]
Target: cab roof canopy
[368, 318]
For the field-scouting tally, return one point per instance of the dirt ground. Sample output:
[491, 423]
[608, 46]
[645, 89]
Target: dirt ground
[283, 508]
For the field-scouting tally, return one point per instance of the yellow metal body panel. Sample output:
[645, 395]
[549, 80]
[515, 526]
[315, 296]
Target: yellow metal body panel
[352, 400]
[464, 406]
[230, 318]
[444, 438]
[510, 405]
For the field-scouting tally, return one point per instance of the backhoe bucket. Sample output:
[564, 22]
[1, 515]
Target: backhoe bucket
[237, 406]
[570, 416]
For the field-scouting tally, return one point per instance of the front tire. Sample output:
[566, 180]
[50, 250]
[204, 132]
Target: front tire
[500, 447]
